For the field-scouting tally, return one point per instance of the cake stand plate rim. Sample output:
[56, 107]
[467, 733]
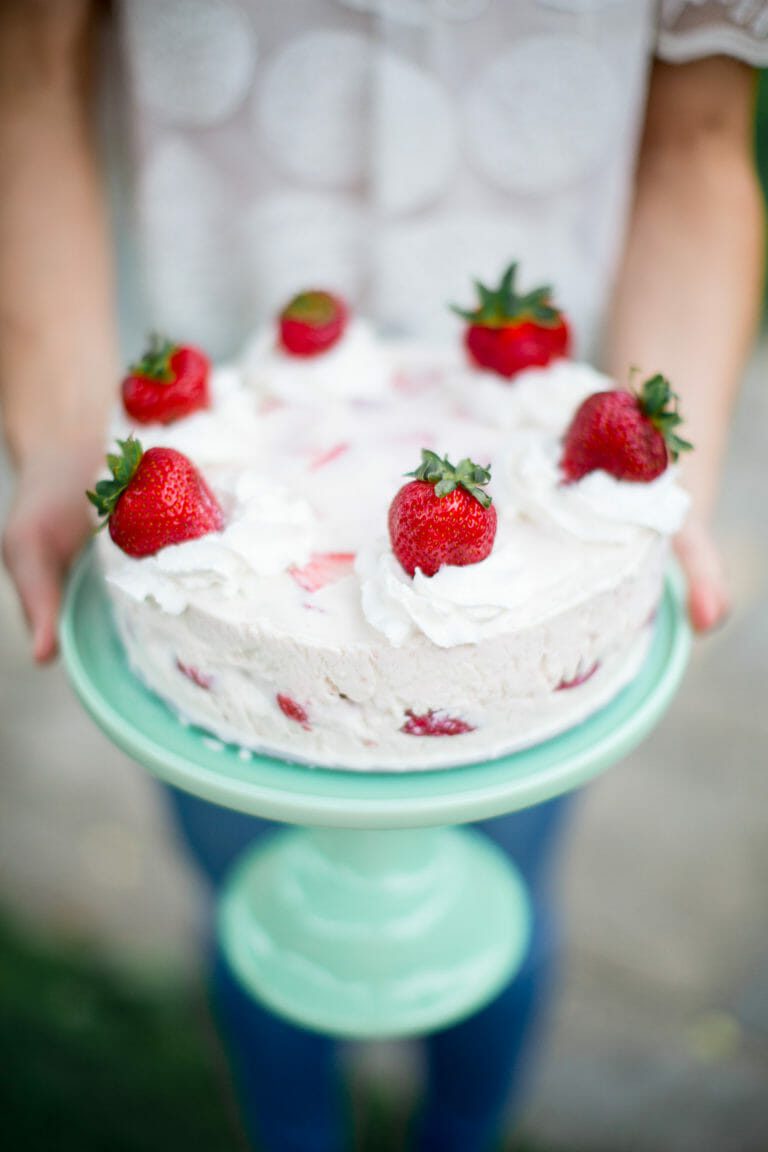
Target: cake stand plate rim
[185, 757]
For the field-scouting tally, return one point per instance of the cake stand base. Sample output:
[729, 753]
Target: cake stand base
[375, 919]
[370, 933]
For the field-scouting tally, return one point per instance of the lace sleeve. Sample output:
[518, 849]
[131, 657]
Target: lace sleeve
[691, 29]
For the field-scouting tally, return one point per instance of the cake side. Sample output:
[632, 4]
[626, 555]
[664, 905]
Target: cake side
[377, 707]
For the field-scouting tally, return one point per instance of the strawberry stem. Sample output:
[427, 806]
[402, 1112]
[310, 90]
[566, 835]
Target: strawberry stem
[446, 477]
[498, 306]
[123, 467]
[314, 308]
[155, 364]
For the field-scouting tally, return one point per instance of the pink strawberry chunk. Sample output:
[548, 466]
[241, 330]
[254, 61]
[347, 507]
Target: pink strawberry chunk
[579, 678]
[195, 675]
[293, 711]
[434, 724]
[328, 456]
[270, 404]
[322, 568]
[416, 381]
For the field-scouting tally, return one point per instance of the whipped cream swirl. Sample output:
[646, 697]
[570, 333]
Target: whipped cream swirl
[597, 507]
[355, 367]
[228, 431]
[541, 398]
[463, 605]
[267, 529]
[553, 540]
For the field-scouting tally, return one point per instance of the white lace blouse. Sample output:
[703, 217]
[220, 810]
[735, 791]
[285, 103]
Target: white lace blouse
[389, 149]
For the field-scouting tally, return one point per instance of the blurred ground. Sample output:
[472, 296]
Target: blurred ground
[659, 1042]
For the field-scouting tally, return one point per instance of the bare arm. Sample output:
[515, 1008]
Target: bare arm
[689, 291]
[56, 314]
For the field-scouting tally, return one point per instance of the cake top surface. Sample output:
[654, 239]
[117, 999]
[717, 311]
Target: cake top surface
[305, 456]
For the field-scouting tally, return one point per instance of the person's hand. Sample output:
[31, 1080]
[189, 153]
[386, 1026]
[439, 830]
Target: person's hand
[47, 525]
[695, 545]
[699, 556]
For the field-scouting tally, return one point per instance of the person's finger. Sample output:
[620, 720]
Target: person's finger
[36, 572]
[708, 597]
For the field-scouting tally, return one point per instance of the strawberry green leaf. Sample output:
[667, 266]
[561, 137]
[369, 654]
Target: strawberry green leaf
[676, 445]
[659, 403]
[155, 364]
[507, 283]
[503, 305]
[446, 477]
[106, 493]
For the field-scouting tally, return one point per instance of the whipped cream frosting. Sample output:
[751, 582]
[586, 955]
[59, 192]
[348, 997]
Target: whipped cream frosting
[539, 398]
[457, 605]
[529, 574]
[596, 507]
[227, 432]
[355, 367]
[267, 530]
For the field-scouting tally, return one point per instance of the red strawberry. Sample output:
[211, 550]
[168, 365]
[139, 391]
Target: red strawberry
[508, 333]
[443, 516]
[631, 435]
[170, 381]
[312, 323]
[434, 724]
[154, 499]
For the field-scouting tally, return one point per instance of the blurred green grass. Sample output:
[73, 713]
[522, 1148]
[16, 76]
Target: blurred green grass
[90, 1063]
[761, 148]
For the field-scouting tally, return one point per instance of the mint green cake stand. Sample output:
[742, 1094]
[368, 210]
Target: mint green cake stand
[375, 917]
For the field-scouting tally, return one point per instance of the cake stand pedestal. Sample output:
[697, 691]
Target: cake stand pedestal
[375, 917]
